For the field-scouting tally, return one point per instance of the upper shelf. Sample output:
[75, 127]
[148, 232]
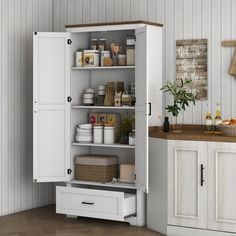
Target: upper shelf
[103, 68]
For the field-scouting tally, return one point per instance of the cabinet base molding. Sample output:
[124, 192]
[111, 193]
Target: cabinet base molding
[184, 231]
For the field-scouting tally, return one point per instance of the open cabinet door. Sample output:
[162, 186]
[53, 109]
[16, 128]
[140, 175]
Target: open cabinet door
[51, 109]
[148, 77]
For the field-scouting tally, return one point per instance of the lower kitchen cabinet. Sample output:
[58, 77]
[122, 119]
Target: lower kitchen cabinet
[222, 186]
[201, 190]
[187, 193]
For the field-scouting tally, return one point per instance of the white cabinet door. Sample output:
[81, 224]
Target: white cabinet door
[51, 111]
[148, 81]
[222, 186]
[187, 194]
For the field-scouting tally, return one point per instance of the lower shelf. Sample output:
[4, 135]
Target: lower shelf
[116, 145]
[110, 184]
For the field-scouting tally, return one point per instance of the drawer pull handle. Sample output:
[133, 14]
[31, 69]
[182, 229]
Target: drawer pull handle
[88, 203]
[202, 178]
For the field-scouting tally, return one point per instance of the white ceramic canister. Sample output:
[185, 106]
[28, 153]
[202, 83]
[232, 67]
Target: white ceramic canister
[109, 135]
[98, 133]
[91, 58]
[79, 59]
[103, 55]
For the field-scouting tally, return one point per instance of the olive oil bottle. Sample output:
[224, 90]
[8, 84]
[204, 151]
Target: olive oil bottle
[208, 123]
[218, 120]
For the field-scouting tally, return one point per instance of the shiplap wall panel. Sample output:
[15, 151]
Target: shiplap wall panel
[197, 34]
[233, 36]
[183, 19]
[109, 11]
[18, 21]
[126, 10]
[226, 57]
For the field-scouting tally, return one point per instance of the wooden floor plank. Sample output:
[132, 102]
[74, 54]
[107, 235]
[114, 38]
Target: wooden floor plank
[45, 222]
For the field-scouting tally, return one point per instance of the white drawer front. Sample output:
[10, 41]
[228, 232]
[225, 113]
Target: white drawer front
[94, 203]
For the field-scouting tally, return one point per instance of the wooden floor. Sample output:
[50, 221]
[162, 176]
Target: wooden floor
[44, 222]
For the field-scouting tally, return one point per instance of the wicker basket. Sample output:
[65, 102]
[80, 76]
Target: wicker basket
[97, 168]
[228, 130]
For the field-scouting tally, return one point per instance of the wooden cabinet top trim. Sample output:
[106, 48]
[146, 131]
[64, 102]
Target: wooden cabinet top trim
[189, 133]
[115, 23]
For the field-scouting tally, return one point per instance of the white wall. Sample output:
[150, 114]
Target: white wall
[183, 19]
[18, 20]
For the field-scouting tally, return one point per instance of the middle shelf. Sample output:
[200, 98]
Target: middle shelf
[116, 145]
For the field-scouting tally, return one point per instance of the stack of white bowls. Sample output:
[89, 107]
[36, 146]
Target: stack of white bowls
[88, 97]
[84, 133]
[101, 90]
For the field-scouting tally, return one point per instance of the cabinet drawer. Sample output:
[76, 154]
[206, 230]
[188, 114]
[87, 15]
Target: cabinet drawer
[102, 204]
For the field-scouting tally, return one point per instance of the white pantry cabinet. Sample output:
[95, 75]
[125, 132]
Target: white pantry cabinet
[199, 185]
[58, 109]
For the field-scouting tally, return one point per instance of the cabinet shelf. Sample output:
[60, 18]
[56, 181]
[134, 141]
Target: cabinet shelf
[102, 107]
[116, 145]
[103, 68]
[110, 184]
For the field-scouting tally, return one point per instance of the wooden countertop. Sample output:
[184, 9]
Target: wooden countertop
[116, 23]
[190, 133]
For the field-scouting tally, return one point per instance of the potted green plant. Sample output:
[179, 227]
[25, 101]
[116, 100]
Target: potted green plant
[182, 95]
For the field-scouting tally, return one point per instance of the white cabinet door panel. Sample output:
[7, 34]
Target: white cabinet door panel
[52, 71]
[141, 112]
[222, 186]
[51, 113]
[187, 199]
[148, 81]
[51, 145]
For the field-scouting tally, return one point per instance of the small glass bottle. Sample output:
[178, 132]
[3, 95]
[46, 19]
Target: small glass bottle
[166, 127]
[208, 123]
[218, 119]
[132, 138]
[125, 129]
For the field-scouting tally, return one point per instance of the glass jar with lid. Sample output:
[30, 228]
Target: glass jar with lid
[101, 45]
[94, 44]
[132, 138]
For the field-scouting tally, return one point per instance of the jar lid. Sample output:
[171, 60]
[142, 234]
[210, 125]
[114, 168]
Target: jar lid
[98, 124]
[102, 39]
[109, 125]
[121, 56]
[91, 51]
[94, 39]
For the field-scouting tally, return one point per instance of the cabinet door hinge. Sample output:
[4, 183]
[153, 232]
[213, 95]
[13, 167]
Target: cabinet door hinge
[69, 99]
[69, 41]
[135, 176]
[69, 171]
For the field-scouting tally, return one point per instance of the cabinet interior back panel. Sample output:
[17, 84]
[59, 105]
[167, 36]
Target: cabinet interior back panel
[182, 19]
